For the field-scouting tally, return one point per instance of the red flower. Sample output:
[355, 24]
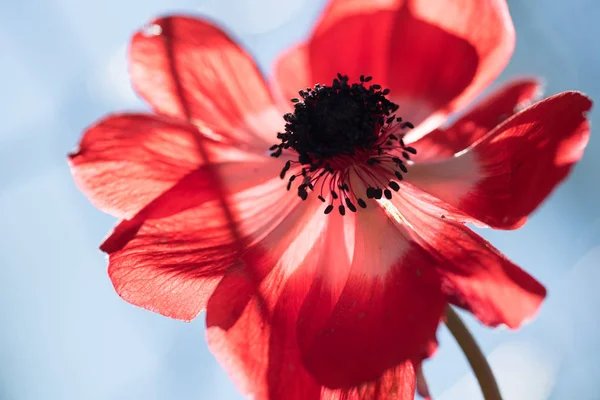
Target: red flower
[302, 304]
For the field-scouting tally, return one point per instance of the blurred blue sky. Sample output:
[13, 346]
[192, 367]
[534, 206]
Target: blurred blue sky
[66, 335]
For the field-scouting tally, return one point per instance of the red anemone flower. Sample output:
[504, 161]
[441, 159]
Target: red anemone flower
[325, 245]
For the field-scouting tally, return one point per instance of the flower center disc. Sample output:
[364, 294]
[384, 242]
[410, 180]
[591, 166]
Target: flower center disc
[340, 129]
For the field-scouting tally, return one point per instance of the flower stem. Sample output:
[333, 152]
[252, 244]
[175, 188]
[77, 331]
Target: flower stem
[478, 362]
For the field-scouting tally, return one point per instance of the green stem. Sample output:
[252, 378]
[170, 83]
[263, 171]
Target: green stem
[478, 362]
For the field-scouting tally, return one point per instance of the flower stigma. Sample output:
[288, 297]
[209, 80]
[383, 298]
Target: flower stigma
[344, 134]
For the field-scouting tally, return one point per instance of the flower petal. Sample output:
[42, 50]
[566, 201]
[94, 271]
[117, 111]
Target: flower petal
[170, 256]
[125, 161]
[485, 116]
[434, 56]
[504, 176]
[292, 73]
[264, 309]
[475, 275]
[189, 68]
[380, 312]
[242, 309]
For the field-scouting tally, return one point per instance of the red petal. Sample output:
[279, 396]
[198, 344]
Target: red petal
[271, 368]
[242, 309]
[381, 311]
[397, 383]
[292, 73]
[170, 256]
[434, 56]
[485, 116]
[509, 172]
[125, 161]
[475, 275]
[191, 69]
[270, 303]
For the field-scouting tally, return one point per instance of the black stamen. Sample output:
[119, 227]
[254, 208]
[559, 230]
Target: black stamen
[337, 129]
[350, 205]
[335, 120]
[285, 169]
[302, 192]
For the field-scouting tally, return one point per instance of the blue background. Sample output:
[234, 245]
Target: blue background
[65, 334]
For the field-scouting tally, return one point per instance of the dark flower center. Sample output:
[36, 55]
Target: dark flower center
[339, 129]
[335, 120]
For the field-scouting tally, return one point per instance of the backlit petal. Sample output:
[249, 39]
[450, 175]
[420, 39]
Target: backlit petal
[299, 301]
[477, 122]
[475, 275]
[250, 303]
[435, 56]
[170, 256]
[125, 161]
[189, 68]
[292, 73]
[504, 176]
[381, 311]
